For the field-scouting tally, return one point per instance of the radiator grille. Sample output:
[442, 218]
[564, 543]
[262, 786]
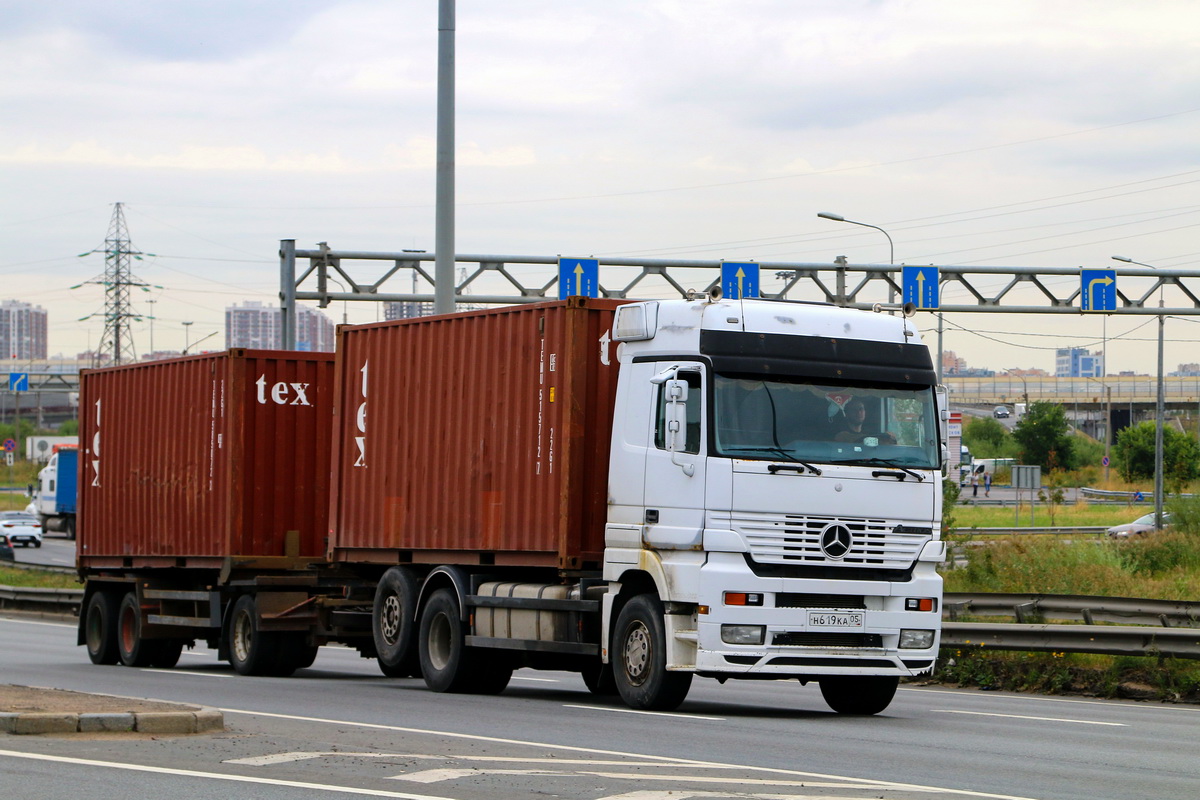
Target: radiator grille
[796, 539]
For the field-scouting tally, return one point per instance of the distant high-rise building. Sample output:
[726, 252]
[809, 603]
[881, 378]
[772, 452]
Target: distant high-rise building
[1077, 362]
[259, 327]
[408, 310]
[22, 330]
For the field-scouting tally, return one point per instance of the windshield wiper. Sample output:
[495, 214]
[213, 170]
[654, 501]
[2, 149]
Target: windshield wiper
[779, 452]
[886, 463]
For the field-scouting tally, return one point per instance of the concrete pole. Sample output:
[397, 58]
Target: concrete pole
[443, 275]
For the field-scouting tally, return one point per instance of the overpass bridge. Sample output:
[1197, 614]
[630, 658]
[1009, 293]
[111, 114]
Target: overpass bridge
[1123, 390]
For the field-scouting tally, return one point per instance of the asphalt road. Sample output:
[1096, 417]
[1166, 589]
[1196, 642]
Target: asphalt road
[341, 728]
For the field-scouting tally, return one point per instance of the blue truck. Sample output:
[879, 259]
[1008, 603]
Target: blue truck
[58, 490]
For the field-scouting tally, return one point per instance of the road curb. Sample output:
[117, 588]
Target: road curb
[193, 719]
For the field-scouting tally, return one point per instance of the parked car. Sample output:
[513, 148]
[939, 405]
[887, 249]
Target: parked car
[1139, 527]
[1001, 412]
[21, 529]
[6, 549]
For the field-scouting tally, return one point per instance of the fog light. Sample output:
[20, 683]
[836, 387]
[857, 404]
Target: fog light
[920, 604]
[743, 634]
[916, 640]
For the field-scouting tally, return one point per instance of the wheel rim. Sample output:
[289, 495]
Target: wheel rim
[242, 637]
[439, 641]
[128, 629]
[95, 629]
[389, 624]
[637, 653]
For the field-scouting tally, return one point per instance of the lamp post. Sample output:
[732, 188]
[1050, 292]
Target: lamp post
[187, 327]
[1107, 423]
[1159, 405]
[151, 302]
[1024, 386]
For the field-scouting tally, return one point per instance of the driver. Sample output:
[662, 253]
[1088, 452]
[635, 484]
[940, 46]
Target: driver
[853, 429]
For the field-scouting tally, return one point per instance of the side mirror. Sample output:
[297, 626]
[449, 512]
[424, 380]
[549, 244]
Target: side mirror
[676, 394]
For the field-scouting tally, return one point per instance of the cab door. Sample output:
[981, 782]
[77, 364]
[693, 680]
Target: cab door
[675, 462]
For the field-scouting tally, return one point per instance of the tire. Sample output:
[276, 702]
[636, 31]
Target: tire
[393, 624]
[598, 678]
[38, 543]
[134, 650]
[164, 652]
[251, 650]
[640, 650]
[100, 628]
[69, 527]
[294, 653]
[859, 695]
[445, 661]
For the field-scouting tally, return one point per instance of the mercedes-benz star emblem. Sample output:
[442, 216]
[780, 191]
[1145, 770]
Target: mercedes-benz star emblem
[835, 541]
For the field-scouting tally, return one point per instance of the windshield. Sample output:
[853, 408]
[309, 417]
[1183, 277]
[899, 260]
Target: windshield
[796, 420]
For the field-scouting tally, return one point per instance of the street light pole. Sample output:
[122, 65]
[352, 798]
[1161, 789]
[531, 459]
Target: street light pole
[891, 247]
[1160, 410]
[187, 327]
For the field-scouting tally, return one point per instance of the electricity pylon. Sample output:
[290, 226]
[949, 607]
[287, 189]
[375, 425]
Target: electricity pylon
[117, 281]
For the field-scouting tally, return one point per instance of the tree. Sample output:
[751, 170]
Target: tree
[1133, 454]
[1044, 437]
[985, 437]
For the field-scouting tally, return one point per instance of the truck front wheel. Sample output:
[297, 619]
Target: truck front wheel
[100, 628]
[640, 666]
[860, 695]
[252, 651]
[393, 621]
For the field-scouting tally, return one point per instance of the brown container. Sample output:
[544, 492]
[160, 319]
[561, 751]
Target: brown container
[475, 438]
[187, 461]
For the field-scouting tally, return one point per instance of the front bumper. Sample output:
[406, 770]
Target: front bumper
[794, 644]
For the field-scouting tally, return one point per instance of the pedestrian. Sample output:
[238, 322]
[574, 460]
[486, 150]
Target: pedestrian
[974, 483]
[987, 484]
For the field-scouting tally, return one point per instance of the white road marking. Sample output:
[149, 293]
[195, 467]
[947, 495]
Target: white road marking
[194, 674]
[647, 713]
[664, 760]
[535, 680]
[1037, 698]
[35, 622]
[683, 794]
[1039, 719]
[440, 775]
[217, 776]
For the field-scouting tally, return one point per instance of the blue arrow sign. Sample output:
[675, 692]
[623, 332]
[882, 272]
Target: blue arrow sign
[18, 381]
[739, 279]
[578, 276]
[920, 286]
[1098, 290]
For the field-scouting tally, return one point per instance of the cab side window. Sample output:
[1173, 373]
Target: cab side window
[692, 438]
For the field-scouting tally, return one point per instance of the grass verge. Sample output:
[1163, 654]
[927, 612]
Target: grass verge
[36, 578]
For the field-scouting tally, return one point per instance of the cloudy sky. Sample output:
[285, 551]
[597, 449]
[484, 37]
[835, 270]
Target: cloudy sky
[981, 133]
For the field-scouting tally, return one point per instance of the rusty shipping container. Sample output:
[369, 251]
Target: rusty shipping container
[188, 461]
[475, 438]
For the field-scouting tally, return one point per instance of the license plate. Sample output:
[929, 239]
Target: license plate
[836, 620]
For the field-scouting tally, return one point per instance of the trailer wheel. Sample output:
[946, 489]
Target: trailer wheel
[393, 621]
[100, 628]
[640, 647]
[859, 695]
[68, 527]
[294, 653]
[251, 650]
[164, 652]
[135, 651]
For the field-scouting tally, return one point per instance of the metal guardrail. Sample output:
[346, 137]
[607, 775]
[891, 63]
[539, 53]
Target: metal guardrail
[1123, 640]
[1062, 530]
[55, 601]
[1028, 608]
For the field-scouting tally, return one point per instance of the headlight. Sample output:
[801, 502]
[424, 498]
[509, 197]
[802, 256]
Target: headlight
[916, 640]
[743, 634]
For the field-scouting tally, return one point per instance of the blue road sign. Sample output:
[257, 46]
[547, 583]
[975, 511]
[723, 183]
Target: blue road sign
[10, 445]
[578, 276]
[18, 381]
[739, 279]
[1098, 290]
[920, 285]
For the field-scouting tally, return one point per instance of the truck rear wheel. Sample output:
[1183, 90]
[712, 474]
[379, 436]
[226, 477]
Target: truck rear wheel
[393, 621]
[251, 651]
[135, 651]
[640, 668]
[447, 664]
[860, 695]
[100, 628]
[68, 526]
[294, 653]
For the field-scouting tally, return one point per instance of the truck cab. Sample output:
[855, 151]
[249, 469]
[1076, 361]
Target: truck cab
[775, 480]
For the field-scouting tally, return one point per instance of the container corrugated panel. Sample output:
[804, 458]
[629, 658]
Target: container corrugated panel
[480, 437]
[205, 456]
